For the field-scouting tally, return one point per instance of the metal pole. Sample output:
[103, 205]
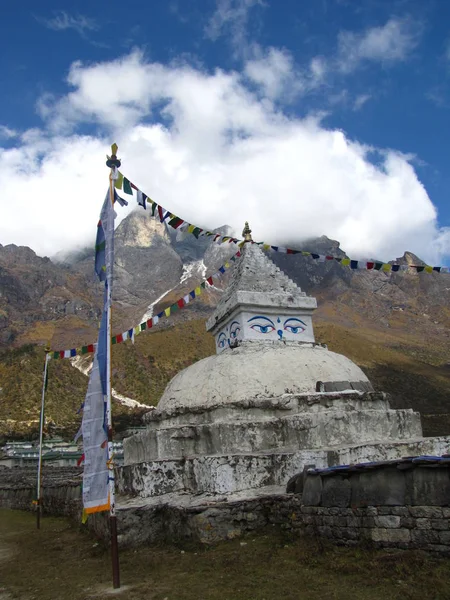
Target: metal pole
[113, 162]
[41, 433]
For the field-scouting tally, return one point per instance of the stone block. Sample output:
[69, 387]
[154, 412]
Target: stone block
[427, 512]
[391, 536]
[345, 533]
[336, 491]
[423, 523]
[408, 522]
[354, 522]
[371, 511]
[368, 521]
[325, 531]
[446, 513]
[438, 548]
[427, 487]
[444, 537]
[387, 521]
[381, 487]
[401, 511]
[312, 490]
[421, 537]
[440, 524]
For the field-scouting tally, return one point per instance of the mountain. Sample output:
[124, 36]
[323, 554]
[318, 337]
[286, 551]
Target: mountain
[396, 326]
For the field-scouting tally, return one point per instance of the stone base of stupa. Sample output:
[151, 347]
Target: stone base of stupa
[210, 498]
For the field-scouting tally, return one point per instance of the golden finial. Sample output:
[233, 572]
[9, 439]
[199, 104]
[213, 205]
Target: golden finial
[247, 233]
[48, 347]
[113, 161]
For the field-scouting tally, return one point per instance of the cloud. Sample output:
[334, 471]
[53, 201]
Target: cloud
[390, 43]
[360, 101]
[214, 151]
[231, 18]
[7, 133]
[63, 21]
[276, 75]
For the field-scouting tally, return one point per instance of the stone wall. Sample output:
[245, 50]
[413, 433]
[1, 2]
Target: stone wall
[403, 504]
[206, 522]
[61, 490]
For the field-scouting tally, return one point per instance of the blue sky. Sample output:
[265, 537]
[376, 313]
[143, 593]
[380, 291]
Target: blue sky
[377, 71]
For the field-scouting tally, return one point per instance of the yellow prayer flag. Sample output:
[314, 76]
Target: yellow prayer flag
[119, 181]
[345, 261]
[304, 253]
[387, 267]
[428, 269]
[227, 265]
[266, 246]
[84, 516]
[167, 312]
[198, 291]
[137, 330]
[191, 228]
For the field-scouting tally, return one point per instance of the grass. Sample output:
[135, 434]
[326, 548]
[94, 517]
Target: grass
[61, 562]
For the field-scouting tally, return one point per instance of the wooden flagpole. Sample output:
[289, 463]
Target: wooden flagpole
[113, 163]
[41, 435]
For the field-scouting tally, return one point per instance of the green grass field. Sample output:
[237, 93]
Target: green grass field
[61, 562]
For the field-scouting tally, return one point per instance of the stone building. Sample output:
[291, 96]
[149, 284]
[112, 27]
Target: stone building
[241, 423]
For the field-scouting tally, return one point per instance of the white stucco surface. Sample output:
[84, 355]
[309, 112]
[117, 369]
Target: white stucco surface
[256, 370]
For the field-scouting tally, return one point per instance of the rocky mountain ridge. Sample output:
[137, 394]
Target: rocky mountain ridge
[60, 301]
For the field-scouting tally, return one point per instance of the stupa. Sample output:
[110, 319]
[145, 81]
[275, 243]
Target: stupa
[270, 401]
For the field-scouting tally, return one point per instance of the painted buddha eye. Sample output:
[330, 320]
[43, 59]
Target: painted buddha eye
[294, 325]
[261, 324]
[221, 340]
[235, 329]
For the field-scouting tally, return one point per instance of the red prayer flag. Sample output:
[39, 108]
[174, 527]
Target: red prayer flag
[180, 302]
[119, 338]
[149, 323]
[61, 354]
[210, 280]
[370, 265]
[329, 257]
[90, 348]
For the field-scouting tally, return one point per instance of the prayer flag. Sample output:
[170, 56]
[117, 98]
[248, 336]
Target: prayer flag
[141, 199]
[175, 222]
[127, 186]
[120, 200]
[119, 181]
[167, 312]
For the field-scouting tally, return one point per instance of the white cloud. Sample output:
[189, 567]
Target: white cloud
[276, 75]
[390, 43]
[63, 21]
[213, 152]
[231, 18]
[360, 101]
[7, 133]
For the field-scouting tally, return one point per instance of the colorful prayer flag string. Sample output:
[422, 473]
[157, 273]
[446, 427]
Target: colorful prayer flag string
[131, 333]
[122, 183]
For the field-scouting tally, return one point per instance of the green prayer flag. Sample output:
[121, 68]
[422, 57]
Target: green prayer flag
[55, 354]
[143, 326]
[154, 207]
[174, 307]
[114, 340]
[203, 285]
[84, 349]
[197, 231]
[127, 186]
